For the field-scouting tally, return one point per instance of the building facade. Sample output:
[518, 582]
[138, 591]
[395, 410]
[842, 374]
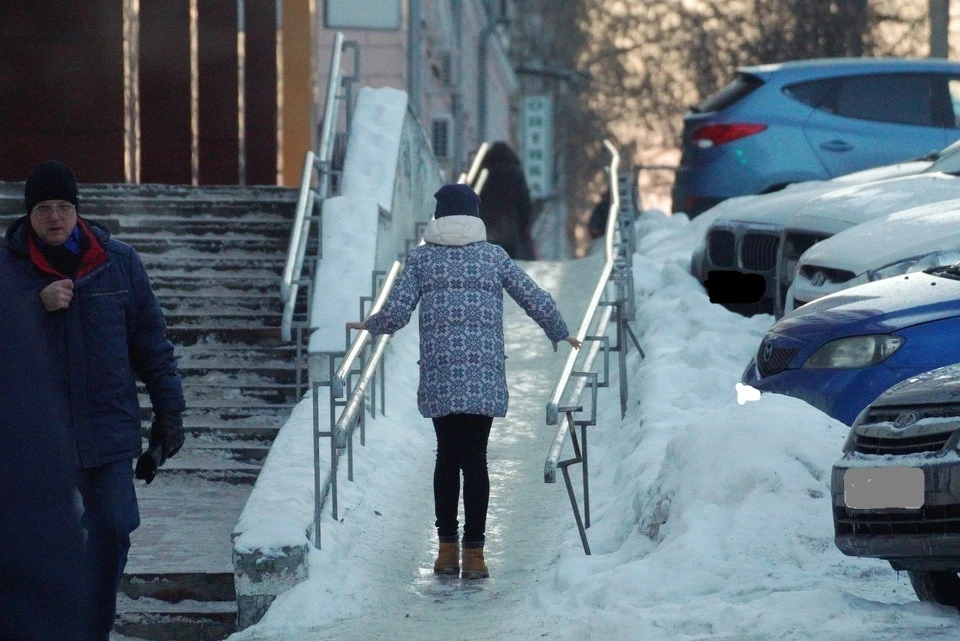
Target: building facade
[232, 91]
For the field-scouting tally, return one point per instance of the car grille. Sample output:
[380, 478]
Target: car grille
[722, 248]
[943, 419]
[759, 252]
[937, 519]
[775, 359]
[889, 413]
[829, 275]
[899, 446]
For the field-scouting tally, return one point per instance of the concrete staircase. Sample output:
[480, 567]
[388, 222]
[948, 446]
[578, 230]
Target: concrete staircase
[214, 256]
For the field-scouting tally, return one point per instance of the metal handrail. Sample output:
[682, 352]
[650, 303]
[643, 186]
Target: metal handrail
[339, 381]
[612, 227]
[470, 176]
[616, 275]
[553, 457]
[341, 428]
[321, 163]
[341, 433]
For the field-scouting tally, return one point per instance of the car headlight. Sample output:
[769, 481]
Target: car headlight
[855, 351]
[915, 264]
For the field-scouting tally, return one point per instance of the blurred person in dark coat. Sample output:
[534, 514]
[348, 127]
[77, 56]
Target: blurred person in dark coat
[505, 205]
[41, 542]
[79, 324]
[597, 226]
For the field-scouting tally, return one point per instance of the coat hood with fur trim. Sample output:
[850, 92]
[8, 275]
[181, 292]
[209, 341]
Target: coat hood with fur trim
[455, 230]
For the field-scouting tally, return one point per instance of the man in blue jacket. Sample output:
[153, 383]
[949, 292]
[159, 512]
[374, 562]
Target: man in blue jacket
[79, 324]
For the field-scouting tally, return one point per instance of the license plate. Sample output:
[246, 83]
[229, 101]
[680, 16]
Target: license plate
[877, 488]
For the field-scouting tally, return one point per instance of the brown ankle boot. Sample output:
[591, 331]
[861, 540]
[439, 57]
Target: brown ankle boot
[473, 565]
[448, 560]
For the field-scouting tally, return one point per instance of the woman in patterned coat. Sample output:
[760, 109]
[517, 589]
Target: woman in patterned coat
[458, 279]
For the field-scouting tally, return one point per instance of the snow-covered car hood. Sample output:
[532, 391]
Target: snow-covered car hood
[777, 207]
[840, 209]
[938, 386]
[880, 307]
[890, 238]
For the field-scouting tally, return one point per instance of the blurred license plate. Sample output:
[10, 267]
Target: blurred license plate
[877, 488]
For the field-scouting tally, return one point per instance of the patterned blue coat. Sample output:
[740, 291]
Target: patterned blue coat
[458, 280]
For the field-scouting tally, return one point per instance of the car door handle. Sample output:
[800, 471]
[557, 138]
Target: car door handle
[836, 145]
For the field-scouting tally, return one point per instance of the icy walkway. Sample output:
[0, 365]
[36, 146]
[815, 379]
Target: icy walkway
[382, 586]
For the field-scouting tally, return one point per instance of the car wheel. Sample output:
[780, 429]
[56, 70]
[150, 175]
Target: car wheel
[939, 587]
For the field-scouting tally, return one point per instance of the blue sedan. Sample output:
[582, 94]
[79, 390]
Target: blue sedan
[841, 351]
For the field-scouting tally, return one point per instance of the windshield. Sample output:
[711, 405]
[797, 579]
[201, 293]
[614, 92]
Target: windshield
[948, 160]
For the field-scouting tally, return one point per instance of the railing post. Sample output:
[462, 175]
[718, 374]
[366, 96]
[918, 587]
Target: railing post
[317, 498]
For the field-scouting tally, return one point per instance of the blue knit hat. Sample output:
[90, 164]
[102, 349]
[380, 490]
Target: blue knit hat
[456, 200]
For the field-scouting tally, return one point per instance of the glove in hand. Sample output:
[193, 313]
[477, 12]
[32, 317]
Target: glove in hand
[166, 439]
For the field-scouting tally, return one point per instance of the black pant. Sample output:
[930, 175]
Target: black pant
[461, 445]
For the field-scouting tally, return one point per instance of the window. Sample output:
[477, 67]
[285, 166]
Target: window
[809, 93]
[899, 98]
[440, 137]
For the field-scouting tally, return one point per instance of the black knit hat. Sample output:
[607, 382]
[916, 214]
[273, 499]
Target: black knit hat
[456, 200]
[51, 180]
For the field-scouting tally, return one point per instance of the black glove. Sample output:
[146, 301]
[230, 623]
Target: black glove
[166, 439]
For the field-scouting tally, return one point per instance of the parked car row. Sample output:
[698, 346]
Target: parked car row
[862, 269]
[883, 357]
[767, 235]
[744, 237]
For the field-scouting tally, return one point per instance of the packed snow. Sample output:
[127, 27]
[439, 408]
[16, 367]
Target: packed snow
[710, 513]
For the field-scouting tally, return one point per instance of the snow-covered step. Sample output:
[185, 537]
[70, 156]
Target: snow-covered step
[187, 335]
[265, 226]
[206, 446]
[158, 620]
[235, 300]
[182, 284]
[210, 267]
[159, 244]
[226, 431]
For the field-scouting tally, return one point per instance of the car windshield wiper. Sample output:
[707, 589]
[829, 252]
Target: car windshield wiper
[947, 271]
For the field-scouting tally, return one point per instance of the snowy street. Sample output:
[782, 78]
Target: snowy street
[711, 519]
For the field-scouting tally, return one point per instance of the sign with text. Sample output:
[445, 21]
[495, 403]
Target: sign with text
[362, 14]
[537, 145]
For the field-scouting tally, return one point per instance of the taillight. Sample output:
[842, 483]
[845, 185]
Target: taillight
[718, 134]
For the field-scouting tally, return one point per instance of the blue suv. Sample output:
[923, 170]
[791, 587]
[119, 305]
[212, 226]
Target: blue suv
[778, 124]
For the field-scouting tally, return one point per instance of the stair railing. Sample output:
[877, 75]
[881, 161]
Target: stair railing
[363, 361]
[612, 298]
[321, 165]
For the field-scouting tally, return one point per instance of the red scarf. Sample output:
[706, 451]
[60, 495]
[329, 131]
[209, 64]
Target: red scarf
[91, 257]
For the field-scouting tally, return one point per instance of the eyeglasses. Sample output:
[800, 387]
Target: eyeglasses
[45, 210]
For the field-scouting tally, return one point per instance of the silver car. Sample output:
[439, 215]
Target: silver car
[896, 491]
